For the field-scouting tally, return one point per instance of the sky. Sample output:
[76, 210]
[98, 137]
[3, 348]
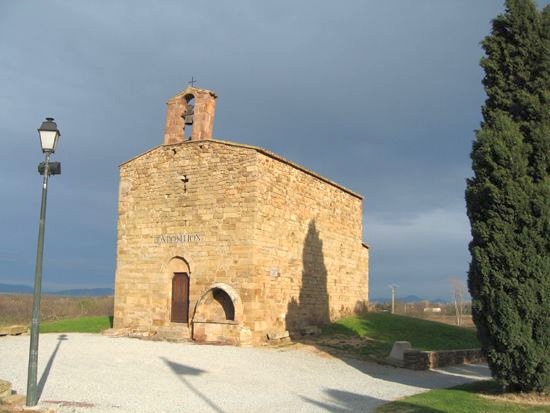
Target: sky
[382, 97]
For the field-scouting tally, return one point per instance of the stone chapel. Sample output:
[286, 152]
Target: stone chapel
[220, 241]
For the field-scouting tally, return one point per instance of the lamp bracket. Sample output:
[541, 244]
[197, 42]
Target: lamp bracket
[54, 168]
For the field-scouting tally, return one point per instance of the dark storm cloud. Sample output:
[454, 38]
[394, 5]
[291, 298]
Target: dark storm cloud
[382, 97]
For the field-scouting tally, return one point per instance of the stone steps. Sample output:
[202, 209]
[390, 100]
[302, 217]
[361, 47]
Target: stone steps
[10, 401]
[177, 333]
[13, 330]
[5, 389]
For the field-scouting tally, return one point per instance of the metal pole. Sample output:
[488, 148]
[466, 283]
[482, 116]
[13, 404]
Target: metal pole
[393, 300]
[32, 394]
[393, 287]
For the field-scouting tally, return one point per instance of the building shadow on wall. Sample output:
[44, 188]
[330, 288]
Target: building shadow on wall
[312, 306]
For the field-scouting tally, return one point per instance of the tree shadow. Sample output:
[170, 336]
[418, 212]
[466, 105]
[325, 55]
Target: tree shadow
[473, 371]
[449, 376]
[341, 401]
[46, 372]
[312, 306]
[181, 370]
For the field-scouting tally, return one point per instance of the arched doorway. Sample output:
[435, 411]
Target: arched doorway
[180, 298]
[178, 272]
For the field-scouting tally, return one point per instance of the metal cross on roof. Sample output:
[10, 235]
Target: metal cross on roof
[192, 82]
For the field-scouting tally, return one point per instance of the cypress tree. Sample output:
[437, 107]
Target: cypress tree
[508, 201]
[513, 53]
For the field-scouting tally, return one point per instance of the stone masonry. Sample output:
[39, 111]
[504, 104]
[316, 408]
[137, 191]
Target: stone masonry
[267, 245]
[204, 108]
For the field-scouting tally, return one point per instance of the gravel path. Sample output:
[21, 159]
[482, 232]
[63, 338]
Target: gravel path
[90, 373]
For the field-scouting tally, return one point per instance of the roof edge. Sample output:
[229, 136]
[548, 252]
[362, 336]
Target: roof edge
[190, 90]
[257, 149]
[142, 154]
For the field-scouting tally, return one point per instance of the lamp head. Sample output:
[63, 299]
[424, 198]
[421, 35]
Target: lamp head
[49, 135]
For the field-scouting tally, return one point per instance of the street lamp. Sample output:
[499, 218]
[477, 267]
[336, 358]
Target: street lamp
[49, 136]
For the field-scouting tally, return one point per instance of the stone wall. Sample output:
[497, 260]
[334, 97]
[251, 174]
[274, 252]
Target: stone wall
[286, 242]
[214, 211]
[424, 360]
[204, 102]
[310, 258]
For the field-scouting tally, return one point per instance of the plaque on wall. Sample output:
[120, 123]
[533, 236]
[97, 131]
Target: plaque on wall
[177, 238]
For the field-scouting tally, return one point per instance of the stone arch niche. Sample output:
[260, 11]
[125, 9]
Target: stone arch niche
[218, 317]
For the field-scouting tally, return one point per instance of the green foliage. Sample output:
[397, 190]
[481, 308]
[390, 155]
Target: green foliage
[77, 325]
[512, 57]
[381, 330]
[508, 200]
[460, 399]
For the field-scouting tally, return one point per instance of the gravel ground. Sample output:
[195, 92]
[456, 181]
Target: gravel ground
[91, 373]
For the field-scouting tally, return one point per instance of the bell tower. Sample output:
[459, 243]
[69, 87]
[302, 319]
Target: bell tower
[190, 116]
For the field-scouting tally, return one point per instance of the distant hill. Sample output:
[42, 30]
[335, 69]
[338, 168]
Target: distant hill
[15, 289]
[81, 292]
[407, 299]
[76, 292]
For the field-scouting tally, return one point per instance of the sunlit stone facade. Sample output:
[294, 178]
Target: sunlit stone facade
[224, 242]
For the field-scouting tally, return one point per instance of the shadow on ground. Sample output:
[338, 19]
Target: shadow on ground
[312, 308]
[181, 370]
[347, 402]
[48, 368]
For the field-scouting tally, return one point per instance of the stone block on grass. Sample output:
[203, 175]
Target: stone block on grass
[399, 348]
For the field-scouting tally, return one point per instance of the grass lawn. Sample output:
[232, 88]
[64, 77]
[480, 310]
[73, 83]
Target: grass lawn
[479, 397]
[373, 334]
[78, 325]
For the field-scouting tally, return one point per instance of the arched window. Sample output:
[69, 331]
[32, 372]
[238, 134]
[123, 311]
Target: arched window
[189, 117]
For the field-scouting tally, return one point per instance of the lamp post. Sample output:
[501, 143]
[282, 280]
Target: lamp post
[49, 135]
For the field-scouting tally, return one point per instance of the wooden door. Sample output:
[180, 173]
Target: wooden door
[180, 297]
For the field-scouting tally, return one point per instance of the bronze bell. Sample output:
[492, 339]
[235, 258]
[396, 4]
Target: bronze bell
[188, 116]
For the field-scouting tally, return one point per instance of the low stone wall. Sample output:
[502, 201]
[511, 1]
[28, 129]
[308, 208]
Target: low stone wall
[221, 333]
[13, 330]
[10, 401]
[424, 360]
